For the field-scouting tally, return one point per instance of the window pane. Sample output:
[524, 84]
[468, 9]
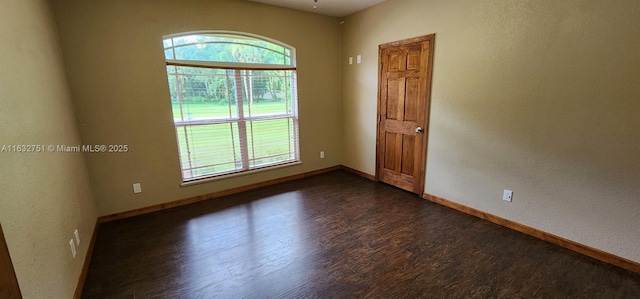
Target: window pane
[209, 149]
[168, 54]
[227, 52]
[271, 142]
[226, 48]
[267, 93]
[199, 94]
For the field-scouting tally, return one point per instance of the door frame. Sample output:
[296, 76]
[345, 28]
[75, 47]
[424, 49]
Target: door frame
[9, 287]
[423, 157]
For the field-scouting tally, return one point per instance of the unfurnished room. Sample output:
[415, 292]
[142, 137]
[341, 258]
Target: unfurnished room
[319, 149]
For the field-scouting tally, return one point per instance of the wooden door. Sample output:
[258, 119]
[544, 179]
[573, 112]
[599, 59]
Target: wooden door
[8, 283]
[404, 91]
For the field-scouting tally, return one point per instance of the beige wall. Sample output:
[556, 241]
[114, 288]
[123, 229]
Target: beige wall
[45, 196]
[115, 62]
[541, 97]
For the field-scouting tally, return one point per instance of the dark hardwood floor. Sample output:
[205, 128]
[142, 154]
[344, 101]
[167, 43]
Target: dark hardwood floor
[336, 235]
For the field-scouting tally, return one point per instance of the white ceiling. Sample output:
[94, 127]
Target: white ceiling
[334, 8]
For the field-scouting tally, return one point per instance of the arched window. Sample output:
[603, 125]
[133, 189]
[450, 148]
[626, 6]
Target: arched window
[234, 100]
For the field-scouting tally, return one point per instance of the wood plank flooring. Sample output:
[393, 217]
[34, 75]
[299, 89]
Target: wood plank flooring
[336, 235]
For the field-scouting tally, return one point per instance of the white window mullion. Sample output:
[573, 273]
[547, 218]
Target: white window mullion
[233, 139]
[242, 125]
[233, 144]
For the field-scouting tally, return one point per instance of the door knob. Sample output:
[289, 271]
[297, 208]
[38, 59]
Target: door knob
[418, 130]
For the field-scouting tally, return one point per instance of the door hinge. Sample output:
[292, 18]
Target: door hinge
[379, 117]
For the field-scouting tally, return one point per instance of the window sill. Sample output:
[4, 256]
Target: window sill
[237, 174]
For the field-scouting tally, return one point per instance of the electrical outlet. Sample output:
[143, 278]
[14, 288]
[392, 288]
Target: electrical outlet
[507, 195]
[73, 248]
[76, 234]
[137, 188]
[321, 154]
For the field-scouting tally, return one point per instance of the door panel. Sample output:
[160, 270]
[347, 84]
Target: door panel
[407, 155]
[390, 155]
[413, 59]
[393, 87]
[413, 96]
[403, 107]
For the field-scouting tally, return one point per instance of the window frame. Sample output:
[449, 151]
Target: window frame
[237, 68]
